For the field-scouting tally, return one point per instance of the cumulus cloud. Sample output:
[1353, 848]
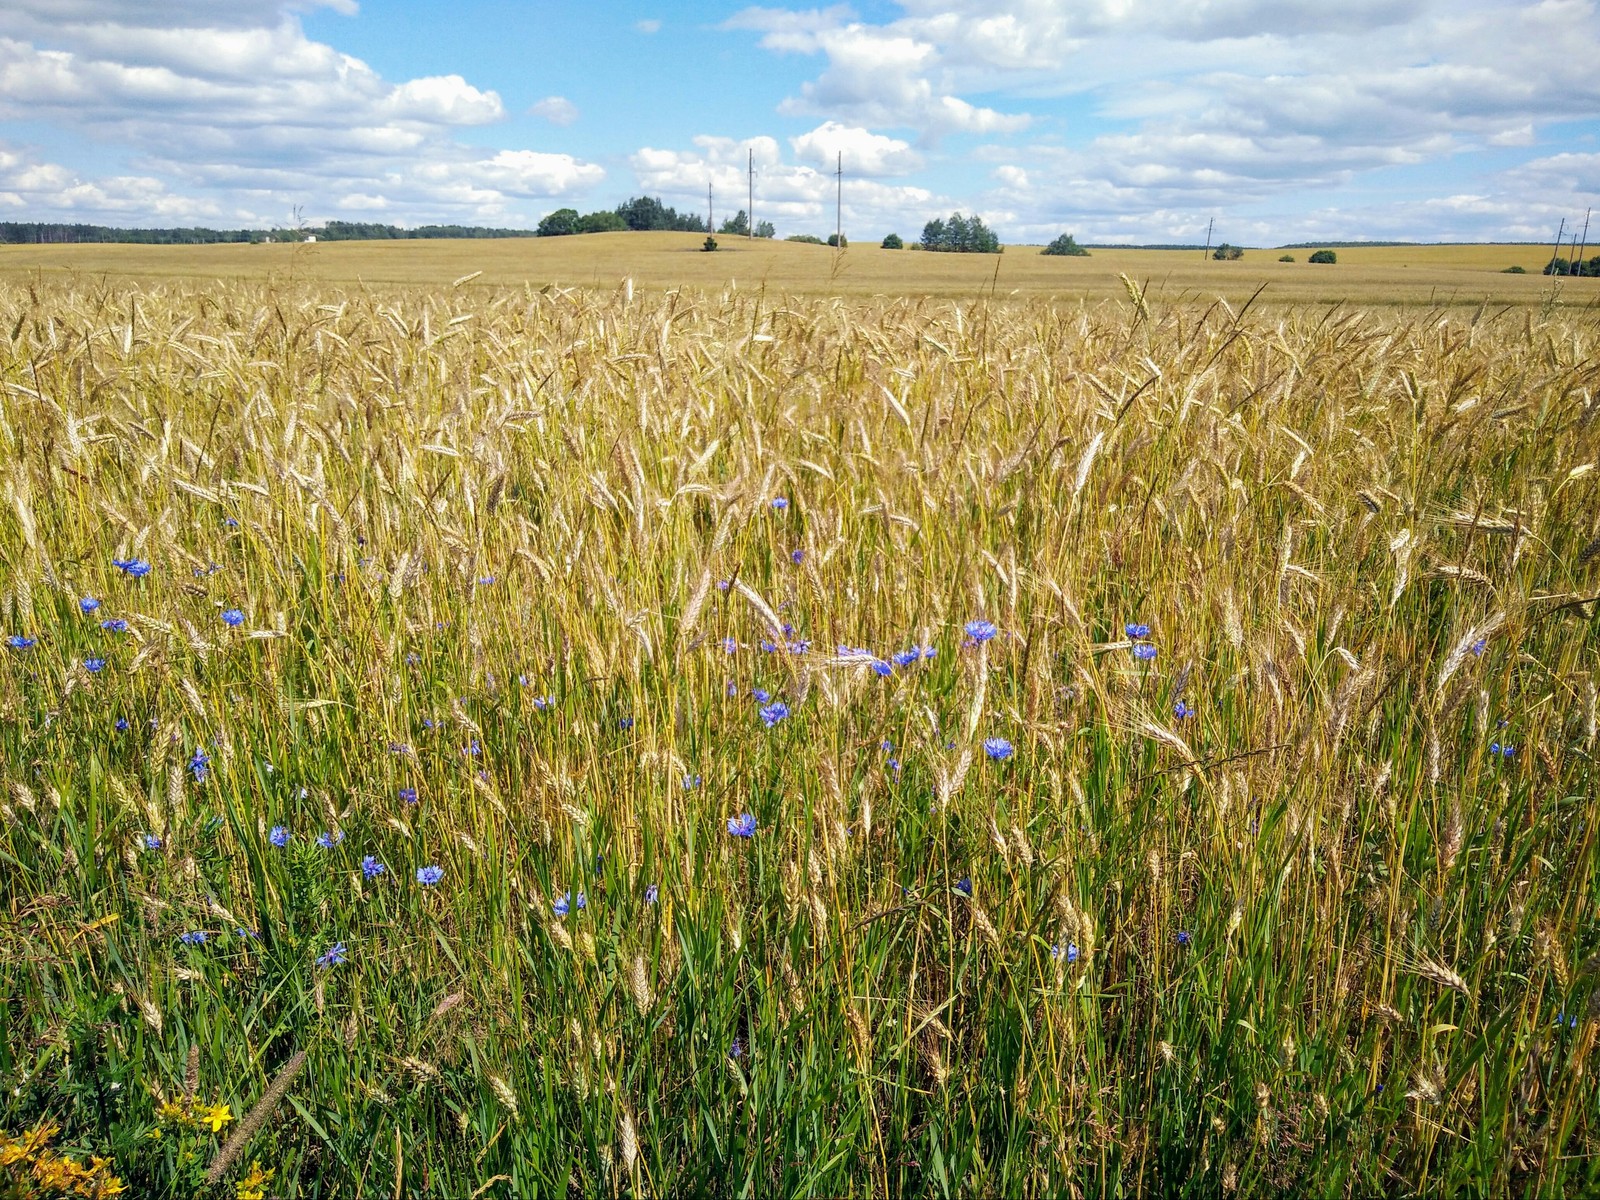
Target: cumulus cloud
[558, 110]
[794, 196]
[864, 152]
[236, 100]
[648, 26]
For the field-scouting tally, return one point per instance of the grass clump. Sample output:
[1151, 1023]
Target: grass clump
[552, 741]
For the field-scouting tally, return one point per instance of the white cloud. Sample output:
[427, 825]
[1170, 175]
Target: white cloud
[648, 26]
[795, 197]
[864, 152]
[558, 110]
[235, 102]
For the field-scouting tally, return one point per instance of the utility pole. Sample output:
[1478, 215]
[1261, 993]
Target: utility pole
[1584, 244]
[711, 221]
[1555, 251]
[1206, 253]
[750, 213]
[838, 211]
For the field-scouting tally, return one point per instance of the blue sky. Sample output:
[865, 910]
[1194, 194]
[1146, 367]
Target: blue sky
[1117, 120]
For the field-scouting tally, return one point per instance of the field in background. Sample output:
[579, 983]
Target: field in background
[1410, 275]
[1164, 737]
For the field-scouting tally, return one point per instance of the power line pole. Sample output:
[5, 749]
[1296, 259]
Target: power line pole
[1206, 253]
[750, 213]
[711, 221]
[1555, 251]
[1584, 244]
[838, 211]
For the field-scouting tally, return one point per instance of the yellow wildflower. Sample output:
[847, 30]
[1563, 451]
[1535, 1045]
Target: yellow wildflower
[254, 1185]
[173, 1110]
[216, 1116]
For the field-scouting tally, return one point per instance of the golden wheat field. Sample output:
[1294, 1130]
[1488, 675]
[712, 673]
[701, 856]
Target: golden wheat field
[1454, 276]
[518, 740]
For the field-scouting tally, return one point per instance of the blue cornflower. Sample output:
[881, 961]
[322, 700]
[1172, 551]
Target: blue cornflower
[767, 646]
[333, 956]
[1182, 711]
[231, 522]
[371, 867]
[772, 713]
[905, 657]
[428, 876]
[894, 765]
[328, 840]
[1136, 631]
[136, 567]
[472, 749]
[690, 782]
[408, 795]
[732, 689]
[797, 557]
[724, 584]
[1570, 1022]
[195, 937]
[583, 902]
[744, 825]
[1144, 651]
[232, 618]
[562, 904]
[1068, 952]
[800, 646]
[886, 745]
[485, 580]
[998, 748]
[651, 894]
[88, 604]
[760, 695]
[624, 722]
[780, 503]
[981, 631]
[930, 652]
[964, 885]
[94, 665]
[879, 667]
[737, 1049]
[730, 646]
[1502, 751]
[17, 642]
[152, 841]
[198, 762]
[251, 934]
[1479, 646]
[279, 836]
[543, 702]
[1182, 937]
[114, 625]
[122, 725]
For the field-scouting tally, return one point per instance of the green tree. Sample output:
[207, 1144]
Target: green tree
[766, 229]
[893, 242]
[605, 221]
[1065, 245]
[838, 241]
[560, 223]
[1227, 253]
[710, 244]
[960, 235]
[1323, 256]
[737, 225]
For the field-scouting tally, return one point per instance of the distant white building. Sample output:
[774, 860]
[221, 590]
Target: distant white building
[311, 237]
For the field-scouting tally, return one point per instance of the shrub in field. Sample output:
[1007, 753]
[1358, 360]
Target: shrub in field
[1322, 256]
[893, 242]
[1285, 258]
[1065, 245]
[1227, 253]
[562, 741]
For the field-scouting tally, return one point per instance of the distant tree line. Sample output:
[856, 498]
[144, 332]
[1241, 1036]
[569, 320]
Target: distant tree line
[643, 214]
